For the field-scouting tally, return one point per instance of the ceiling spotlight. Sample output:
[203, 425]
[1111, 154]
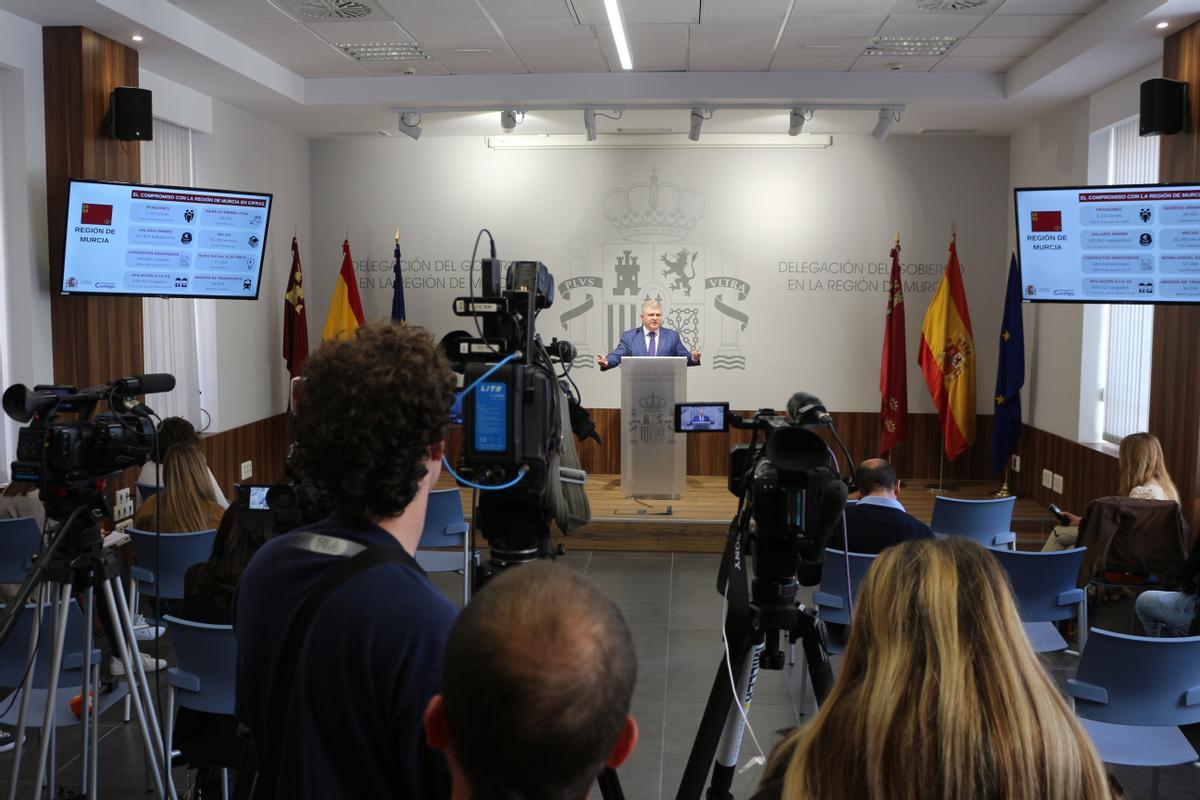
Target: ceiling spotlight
[508, 119]
[698, 117]
[1162, 25]
[410, 124]
[137, 37]
[589, 124]
[797, 119]
[887, 118]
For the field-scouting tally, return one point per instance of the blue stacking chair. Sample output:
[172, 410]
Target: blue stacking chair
[446, 527]
[832, 597]
[1044, 587]
[1132, 693]
[179, 551]
[988, 522]
[20, 540]
[206, 675]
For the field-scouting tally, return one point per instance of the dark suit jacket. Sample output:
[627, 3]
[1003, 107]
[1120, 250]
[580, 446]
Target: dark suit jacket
[872, 529]
[1128, 534]
[633, 343]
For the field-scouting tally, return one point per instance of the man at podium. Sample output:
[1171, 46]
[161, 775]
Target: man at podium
[650, 339]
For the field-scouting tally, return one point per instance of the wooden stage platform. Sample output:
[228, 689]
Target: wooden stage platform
[698, 521]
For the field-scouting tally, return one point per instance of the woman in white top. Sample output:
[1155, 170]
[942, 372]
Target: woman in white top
[1144, 476]
[173, 431]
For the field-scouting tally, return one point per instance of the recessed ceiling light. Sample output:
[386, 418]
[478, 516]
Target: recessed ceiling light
[910, 45]
[383, 51]
[1162, 25]
[137, 37]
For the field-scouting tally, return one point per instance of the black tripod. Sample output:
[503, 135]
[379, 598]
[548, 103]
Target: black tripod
[76, 561]
[753, 627]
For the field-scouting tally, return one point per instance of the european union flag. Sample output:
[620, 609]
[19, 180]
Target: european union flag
[397, 285]
[1010, 374]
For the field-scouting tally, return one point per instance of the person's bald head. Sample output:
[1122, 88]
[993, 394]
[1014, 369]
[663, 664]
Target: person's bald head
[537, 682]
[875, 476]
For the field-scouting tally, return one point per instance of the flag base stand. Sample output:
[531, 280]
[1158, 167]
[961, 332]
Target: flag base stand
[1002, 492]
[942, 487]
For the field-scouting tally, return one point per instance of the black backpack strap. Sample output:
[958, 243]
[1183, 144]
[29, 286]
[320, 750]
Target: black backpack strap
[358, 559]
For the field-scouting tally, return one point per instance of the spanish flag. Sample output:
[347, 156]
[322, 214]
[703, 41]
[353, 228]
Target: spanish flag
[345, 308]
[947, 359]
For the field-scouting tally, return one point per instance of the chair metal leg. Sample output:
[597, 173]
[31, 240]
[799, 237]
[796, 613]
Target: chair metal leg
[1081, 625]
[224, 784]
[466, 570]
[1154, 785]
[170, 741]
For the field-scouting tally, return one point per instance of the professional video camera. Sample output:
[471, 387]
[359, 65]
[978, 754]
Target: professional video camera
[790, 498]
[516, 416]
[66, 458]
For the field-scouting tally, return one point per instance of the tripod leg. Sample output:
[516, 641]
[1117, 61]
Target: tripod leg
[710, 734]
[731, 738]
[40, 602]
[87, 688]
[136, 678]
[610, 785]
[93, 778]
[56, 654]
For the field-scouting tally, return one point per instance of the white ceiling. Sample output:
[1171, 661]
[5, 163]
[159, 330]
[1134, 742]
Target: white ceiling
[1009, 61]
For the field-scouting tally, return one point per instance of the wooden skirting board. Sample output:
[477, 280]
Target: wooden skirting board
[699, 521]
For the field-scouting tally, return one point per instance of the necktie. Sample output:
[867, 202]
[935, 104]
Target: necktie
[652, 349]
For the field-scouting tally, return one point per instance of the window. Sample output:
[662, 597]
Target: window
[1125, 363]
[170, 339]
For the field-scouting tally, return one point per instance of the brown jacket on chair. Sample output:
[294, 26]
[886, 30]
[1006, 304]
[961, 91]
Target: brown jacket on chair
[1142, 536]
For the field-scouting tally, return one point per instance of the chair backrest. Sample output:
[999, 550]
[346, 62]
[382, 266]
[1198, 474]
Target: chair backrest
[146, 491]
[1043, 583]
[988, 522]
[832, 598]
[178, 552]
[20, 540]
[207, 659]
[444, 522]
[14, 652]
[1138, 680]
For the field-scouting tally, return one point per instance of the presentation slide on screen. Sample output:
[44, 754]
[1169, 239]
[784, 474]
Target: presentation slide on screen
[124, 239]
[1119, 244]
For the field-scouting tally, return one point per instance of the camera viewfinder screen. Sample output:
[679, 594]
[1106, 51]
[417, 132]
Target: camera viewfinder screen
[258, 498]
[700, 417]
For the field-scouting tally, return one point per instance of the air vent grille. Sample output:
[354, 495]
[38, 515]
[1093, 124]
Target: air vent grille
[950, 5]
[334, 9]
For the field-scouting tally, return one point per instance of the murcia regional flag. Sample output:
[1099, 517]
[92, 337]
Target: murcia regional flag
[947, 359]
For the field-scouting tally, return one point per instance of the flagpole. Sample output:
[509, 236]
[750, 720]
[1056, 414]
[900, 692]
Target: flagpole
[1003, 490]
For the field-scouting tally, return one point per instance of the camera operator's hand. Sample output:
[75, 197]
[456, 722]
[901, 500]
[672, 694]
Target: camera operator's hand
[602, 361]
[696, 356]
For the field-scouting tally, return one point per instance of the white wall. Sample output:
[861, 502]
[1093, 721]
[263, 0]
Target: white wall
[747, 213]
[248, 153]
[24, 270]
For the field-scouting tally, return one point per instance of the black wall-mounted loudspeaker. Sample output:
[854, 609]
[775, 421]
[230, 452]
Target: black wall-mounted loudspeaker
[130, 115]
[1164, 107]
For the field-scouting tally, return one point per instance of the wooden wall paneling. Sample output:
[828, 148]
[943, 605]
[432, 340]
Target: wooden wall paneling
[264, 442]
[95, 339]
[1175, 366]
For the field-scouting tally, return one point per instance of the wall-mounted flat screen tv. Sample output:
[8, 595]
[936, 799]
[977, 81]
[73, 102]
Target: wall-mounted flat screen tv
[164, 241]
[1110, 244]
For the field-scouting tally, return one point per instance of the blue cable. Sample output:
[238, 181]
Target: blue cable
[485, 487]
[446, 461]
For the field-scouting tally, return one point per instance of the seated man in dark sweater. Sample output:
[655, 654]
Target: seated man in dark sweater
[878, 521]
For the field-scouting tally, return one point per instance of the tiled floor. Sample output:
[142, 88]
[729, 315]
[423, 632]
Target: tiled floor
[671, 604]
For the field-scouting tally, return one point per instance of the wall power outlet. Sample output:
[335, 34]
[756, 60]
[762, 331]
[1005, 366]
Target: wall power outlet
[247, 470]
[1047, 478]
[1016, 463]
[1058, 483]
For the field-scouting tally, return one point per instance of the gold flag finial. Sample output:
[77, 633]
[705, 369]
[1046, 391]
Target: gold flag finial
[897, 237]
[397, 234]
[953, 229]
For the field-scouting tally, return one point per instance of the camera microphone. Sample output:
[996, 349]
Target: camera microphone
[806, 408]
[150, 383]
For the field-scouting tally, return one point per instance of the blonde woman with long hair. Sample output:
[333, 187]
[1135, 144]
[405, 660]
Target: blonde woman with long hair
[187, 499]
[939, 696]
[1143, 474]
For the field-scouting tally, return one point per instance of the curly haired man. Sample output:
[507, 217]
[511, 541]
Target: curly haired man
[335, 670]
